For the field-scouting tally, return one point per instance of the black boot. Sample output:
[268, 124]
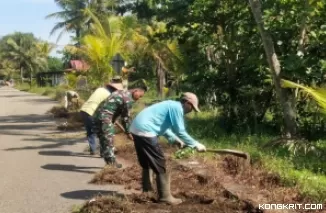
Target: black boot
[147, 180]
[113, 162]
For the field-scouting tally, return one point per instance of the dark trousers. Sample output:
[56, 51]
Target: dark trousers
[149, 154]
[89, 126]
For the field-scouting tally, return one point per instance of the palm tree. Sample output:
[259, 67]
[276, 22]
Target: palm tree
[275, 68]
[101, 7]
[30, 55]
[16, 48]
[165, 53]
[45, 48]
[7, 69]
[72, 17]
[108, 36]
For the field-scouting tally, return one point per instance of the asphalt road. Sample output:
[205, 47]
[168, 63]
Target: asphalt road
[42, 170]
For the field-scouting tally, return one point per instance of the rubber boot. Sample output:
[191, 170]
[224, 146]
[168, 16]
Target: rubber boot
[147, 184]
[164, 191]
[113, 162]
[147, 180]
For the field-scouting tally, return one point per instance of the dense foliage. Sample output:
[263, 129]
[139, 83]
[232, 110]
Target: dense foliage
[226, 61]
[230, 53]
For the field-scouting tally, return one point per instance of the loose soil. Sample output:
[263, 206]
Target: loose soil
[199, 193]
[65, 119]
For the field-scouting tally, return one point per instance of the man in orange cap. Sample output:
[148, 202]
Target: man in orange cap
[164, 118]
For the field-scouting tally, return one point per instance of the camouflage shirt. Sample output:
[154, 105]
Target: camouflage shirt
[118, 104]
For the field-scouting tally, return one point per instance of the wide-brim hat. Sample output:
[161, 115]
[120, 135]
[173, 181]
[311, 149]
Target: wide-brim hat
[117, 86]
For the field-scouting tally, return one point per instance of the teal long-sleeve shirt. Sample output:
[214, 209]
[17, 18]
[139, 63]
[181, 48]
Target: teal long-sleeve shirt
[165, 118]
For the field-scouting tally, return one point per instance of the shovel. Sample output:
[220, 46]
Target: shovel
[226, 151]
[230, 152]
[244, 155]
[240, 154]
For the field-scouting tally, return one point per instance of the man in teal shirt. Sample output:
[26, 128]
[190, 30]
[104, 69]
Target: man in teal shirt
[165, 118]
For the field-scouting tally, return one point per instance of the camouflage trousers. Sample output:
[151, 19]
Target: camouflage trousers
[105, 132]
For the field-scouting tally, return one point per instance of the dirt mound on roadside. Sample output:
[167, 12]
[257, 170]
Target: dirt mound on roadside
[200, 193]
[66, 120]
[106, 204]
[212, 185]
[59, 111]
[130, 177]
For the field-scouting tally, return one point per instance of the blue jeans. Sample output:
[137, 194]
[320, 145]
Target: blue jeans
[89, 126]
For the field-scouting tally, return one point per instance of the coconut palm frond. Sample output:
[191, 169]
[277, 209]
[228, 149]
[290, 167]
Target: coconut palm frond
[318, 94]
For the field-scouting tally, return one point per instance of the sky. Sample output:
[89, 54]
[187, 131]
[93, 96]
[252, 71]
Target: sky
[29, 16]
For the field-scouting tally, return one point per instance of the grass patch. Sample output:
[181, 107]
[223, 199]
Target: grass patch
[56, 93]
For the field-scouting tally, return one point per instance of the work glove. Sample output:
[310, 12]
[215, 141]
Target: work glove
[200, 147]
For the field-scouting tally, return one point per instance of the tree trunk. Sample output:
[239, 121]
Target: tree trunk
[274, 64]
[21, 74]
[303, 27]
[31, 79]
[78, 35]
[160, 79]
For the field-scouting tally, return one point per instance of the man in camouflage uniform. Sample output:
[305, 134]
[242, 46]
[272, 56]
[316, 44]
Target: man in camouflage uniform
[118, 104]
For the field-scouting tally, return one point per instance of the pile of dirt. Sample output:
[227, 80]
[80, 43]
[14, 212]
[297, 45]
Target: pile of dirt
[215, 190]
[106, 204]
[262, 182]
[130, 177]
[232, 165]
[73, 121]
[59, 112]
[65, 119]
[199, 193]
